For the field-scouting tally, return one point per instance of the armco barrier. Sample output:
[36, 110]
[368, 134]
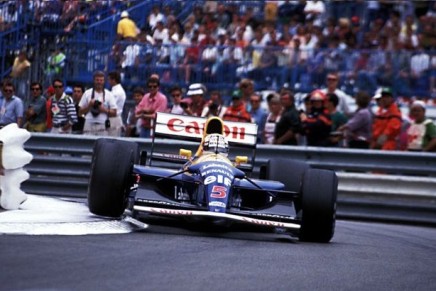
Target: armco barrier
[375, 185]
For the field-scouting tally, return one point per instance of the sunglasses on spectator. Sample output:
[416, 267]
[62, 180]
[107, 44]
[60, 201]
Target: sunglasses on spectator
[36, 89]
[58, 86]
[152, 86]
[8, 90]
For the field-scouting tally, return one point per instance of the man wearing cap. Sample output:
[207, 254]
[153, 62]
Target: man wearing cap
[197, 103]
[421, 134]
[126, 28]
[386, 127]
[237, 110]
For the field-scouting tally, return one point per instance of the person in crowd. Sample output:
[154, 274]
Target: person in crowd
[258, 115]
[21, 73]
[338, 118]
[97, 105]
[421, 134]
[55, 65]
[49, 93]
[196, 94]
[358, 128]
[114, 79]
[11, 106]
[179, 105]
[288, 127]
[36, 111]
[214, 106]
[77, 94]
[344, 99]
[62, 110]
[126, 28]
[273, 117]
[387, 123]
[237, 110]
[152, 102]
[154, 17]
[133, 123]
[246, 87]
[317, 124]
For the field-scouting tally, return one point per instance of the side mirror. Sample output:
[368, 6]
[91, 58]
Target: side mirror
[185, 153]
[241, 160]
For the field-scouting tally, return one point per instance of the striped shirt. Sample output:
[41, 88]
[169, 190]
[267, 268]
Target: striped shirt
[63, 111]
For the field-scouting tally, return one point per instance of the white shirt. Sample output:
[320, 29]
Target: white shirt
[108, 101]
[120, 98]
[130, 54]
[419, 63]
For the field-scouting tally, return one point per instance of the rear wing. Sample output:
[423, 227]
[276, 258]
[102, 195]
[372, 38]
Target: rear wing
[191, 128]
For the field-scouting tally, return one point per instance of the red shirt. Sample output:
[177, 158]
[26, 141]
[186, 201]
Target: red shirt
[238, 113]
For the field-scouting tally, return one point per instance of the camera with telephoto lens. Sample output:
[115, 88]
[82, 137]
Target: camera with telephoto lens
[95, 110]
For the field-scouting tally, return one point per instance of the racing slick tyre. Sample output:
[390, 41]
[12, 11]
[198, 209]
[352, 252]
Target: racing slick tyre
[111, 176]
[287, 171]
[318, 202]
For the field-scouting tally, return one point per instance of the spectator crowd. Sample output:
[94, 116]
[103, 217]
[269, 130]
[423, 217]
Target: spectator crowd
[292, 44]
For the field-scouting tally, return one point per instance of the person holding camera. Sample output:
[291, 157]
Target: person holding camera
[97, 104]
[62, 109]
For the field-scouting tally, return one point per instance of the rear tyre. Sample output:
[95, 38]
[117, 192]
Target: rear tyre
[111, 176]
[287, 171]
[318, 200]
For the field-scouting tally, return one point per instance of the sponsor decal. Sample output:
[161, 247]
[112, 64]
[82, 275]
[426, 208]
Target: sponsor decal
[217, 204]
[218, 192]
[263, 222]
[216, 165]
[217, 171]
[242, 133]
[171, 211]
[219, 179]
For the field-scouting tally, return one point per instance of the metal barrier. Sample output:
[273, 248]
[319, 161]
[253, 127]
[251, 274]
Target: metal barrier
[374, 185]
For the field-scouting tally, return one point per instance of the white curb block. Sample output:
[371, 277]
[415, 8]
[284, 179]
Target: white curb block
[13, 159]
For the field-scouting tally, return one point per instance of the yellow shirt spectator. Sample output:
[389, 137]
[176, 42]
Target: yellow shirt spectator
[126, 28]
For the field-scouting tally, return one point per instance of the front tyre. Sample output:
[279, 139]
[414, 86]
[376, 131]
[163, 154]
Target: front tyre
[318, 200]
[287, 171]
[111, 176]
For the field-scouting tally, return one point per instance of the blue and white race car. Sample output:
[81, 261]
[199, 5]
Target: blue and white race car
[211, 185]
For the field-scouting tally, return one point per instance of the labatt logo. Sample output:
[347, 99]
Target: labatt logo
[196, 128]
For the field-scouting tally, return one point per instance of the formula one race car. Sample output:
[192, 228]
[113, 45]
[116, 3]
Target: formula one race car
[211, 185]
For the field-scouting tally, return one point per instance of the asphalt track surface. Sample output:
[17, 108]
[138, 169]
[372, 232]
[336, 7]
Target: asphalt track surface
[170, 255]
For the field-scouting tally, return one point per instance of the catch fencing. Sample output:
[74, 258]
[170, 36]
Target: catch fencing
[373, 185]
